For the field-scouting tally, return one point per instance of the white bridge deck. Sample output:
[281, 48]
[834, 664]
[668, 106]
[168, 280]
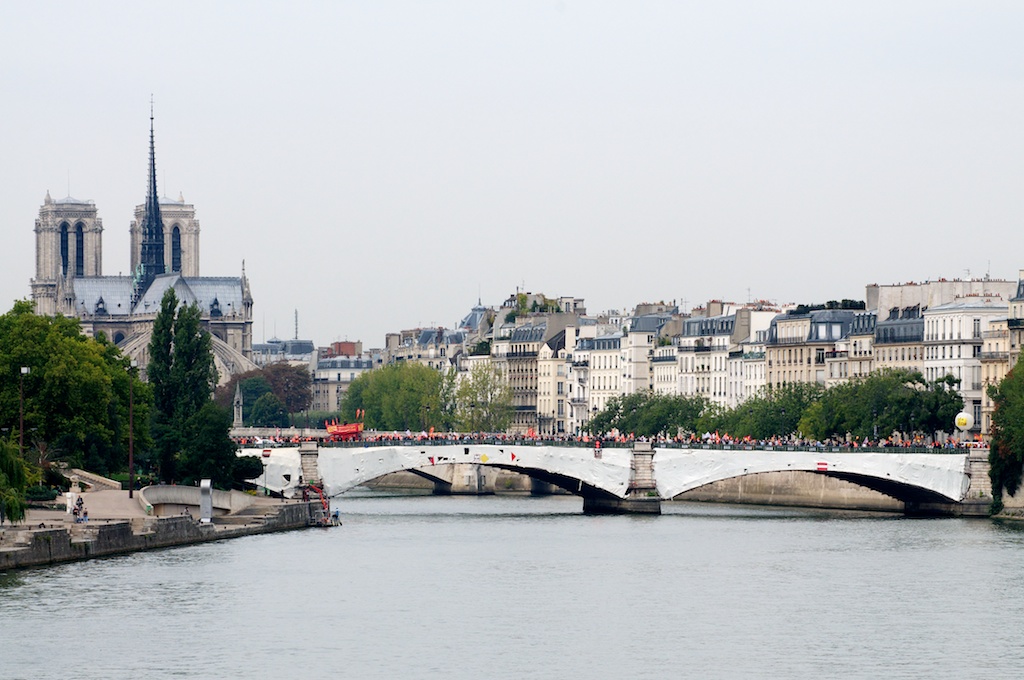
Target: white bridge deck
[940, 477]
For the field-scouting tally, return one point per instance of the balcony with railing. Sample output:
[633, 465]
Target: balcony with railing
[994, 356]
[787, 341]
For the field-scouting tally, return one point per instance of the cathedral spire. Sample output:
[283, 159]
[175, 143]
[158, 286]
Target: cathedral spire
[152, 256]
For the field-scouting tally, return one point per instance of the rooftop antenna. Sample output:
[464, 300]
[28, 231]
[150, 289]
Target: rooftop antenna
[296, 324]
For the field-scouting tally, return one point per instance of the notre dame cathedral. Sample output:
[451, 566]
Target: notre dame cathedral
[69, 279]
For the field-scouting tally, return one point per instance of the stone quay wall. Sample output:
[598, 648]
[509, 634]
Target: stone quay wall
[43, 547]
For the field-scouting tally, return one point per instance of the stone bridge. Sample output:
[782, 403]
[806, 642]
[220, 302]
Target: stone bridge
[619, 479]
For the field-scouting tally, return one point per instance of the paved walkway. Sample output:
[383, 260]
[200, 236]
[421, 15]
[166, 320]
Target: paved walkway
[102, 506]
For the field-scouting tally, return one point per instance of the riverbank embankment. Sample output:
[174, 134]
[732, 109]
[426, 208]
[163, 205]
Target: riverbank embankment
[48, 537]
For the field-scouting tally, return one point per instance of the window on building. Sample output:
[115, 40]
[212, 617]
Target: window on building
[176, 249]
[64, 253]
[79, 250]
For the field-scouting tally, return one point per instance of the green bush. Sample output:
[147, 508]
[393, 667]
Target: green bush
[40, 493]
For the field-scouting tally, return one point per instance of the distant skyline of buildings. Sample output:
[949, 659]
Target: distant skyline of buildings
[565, 364]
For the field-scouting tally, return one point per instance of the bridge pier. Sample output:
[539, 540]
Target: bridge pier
[593, 505]
[642, 497]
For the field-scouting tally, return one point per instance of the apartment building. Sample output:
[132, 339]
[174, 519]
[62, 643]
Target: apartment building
[331, 378]
[524, 344]
[637, 347]
[953, 342]
[605, 370]
[799, 341]
[552, 384]
[995, 364]
[436, 348]
[899, 340]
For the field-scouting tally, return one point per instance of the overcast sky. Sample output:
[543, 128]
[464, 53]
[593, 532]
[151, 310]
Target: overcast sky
[379, 165]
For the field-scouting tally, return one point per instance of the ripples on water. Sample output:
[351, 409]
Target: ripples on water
[506, 587]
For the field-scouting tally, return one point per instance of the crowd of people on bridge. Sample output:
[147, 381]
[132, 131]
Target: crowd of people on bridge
[616, 439]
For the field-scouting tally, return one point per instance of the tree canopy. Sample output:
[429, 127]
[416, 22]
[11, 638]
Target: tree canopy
[878, 405]
[881, 403]
[1006, 455]
[268, 411]
[402, 396]
[292, 385]
[190, 431]
[648, 414]
[483, 401]
[75, 393]
[13, 480]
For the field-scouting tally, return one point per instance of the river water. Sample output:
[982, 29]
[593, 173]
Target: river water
[515, 587]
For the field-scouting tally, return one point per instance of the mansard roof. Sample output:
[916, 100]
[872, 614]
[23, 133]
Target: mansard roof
[439, 336]
[648, 323]
[529, 333]
[709, 325]
[557, 341]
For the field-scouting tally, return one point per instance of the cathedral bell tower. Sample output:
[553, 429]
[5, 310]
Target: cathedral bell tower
[69, 245]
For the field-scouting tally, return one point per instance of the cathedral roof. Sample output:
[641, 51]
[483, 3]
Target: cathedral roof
[116, 292]
[221, 292]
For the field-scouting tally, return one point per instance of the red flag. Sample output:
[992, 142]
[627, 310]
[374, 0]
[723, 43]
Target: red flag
[431, 459]
[513, 456]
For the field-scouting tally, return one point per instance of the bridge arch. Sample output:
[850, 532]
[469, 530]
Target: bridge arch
[907, 477]
[581, 471]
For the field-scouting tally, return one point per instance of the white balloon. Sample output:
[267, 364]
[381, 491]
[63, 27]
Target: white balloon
[964, 421]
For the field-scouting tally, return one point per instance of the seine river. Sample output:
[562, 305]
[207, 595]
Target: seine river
[515, 587]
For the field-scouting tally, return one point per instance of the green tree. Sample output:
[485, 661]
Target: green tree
[483, 401]
[648, 414]
[182, 374]
[772, 412]
[402, 396]
[1006, 455]
[208, 451]
[292, 385]
[13, 481]
[268, 411]
[879, 404]
[75, 394]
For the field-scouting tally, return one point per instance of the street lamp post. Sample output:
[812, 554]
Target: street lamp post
[21, 410]
[131, 428]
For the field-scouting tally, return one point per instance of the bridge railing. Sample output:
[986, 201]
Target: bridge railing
[609, 444]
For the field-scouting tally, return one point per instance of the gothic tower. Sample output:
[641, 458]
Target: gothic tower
[69, 245]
